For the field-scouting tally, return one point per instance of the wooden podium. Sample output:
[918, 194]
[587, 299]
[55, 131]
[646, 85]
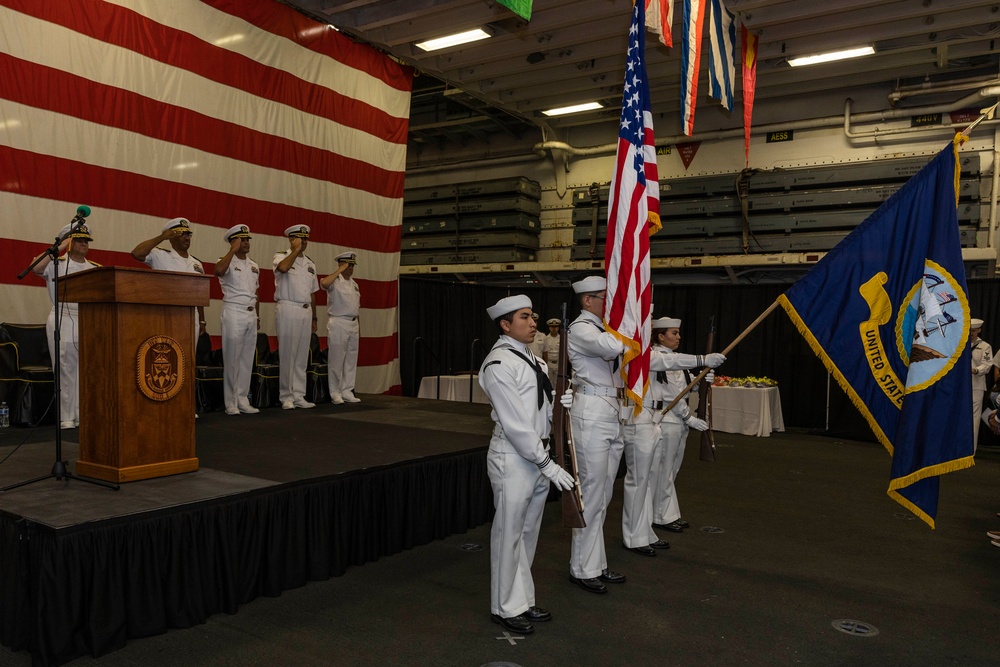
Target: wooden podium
[137, 370]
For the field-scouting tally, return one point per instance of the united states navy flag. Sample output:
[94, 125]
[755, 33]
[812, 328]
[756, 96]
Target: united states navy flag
[886, 311]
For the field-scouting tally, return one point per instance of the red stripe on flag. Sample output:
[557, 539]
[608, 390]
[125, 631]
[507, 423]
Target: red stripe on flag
[48, 177]
[378, 351]
[286, 22]
[125, 28]
[61, 92]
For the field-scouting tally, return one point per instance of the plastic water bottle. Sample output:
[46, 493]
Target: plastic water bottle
[4, 415]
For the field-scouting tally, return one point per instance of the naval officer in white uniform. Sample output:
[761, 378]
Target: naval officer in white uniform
[176, 258]
[295, 287]
[982, 370]
[343, 329]
[239, 277]
[73, 251]
[518, 462]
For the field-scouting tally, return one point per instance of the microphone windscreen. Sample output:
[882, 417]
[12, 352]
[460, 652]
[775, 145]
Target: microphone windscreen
[83, 210]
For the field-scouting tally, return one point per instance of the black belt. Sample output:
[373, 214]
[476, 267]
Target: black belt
[658, 405]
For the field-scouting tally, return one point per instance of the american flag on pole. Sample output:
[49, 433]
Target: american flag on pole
[633, 215]
[221, 111]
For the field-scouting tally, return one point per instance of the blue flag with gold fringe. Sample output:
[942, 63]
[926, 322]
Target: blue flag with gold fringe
[886, 311]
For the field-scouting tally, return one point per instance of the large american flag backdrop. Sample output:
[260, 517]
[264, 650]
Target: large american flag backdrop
[221, 111]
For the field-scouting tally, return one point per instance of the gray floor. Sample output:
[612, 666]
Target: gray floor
[790, 534]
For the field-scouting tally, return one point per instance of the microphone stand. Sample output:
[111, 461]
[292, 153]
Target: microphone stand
[59, 468]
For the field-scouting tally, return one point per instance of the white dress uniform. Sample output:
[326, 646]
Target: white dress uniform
[516, 453]
[598, 435]
[168, 259]
[982, 361]
[538, 343]
[239, 330]
[293, 319]
[642, 437]
[343, 334]
[550, 353]
[69, 339]
[667, 380]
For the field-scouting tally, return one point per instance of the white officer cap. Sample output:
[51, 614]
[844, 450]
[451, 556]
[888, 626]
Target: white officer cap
[552, 321]
[236, 232]
[534, 316]
[976, 324]
[82, 232]
[299, 231]
[590, 284]
[349, 257]
[178, 222]
[667, 323]
[508, 304]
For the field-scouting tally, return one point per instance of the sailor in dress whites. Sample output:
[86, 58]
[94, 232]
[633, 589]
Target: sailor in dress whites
[550, 348]
[539, 340]
[178, 233]
[239, 277]
[295, 287]
[343, 330]
[668, 372]
[596, 417]
[518, 462]
[73, 250]
[982, 369]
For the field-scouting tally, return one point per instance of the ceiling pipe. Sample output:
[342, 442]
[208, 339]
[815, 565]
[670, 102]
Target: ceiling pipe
[895, 114]
[932, 88]
[542, 148]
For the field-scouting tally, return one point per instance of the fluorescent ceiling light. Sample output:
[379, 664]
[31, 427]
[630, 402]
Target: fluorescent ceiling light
[586, 106]
[453, 40]
[830, 57]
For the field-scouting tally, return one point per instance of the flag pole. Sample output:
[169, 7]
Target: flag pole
[704, 371]
[983, 115]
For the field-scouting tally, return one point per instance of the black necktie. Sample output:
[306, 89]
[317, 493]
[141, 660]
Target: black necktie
[541, 378]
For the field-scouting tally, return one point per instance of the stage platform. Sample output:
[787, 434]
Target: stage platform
[281, 498]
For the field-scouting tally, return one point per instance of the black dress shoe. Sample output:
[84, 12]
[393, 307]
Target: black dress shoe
[537, 615]
[514, 624]
[642, 551]
[592, 585]
[682, 523]
[660, 544]
[669, 527]
[612, 577]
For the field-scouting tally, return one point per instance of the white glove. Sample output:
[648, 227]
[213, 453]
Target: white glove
[697, 424]
[709, 377]
[567, 399]
[714, 360]
[562, 479]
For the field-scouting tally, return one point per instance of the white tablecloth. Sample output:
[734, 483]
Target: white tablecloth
[453, 388]
[747, 411]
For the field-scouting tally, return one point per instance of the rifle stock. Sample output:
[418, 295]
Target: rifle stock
[562, 436]
[704, 411]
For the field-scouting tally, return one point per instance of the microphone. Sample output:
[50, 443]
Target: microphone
[82, 211]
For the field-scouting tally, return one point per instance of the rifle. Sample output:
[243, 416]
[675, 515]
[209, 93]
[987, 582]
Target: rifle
[705, 402]
[563, 451]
